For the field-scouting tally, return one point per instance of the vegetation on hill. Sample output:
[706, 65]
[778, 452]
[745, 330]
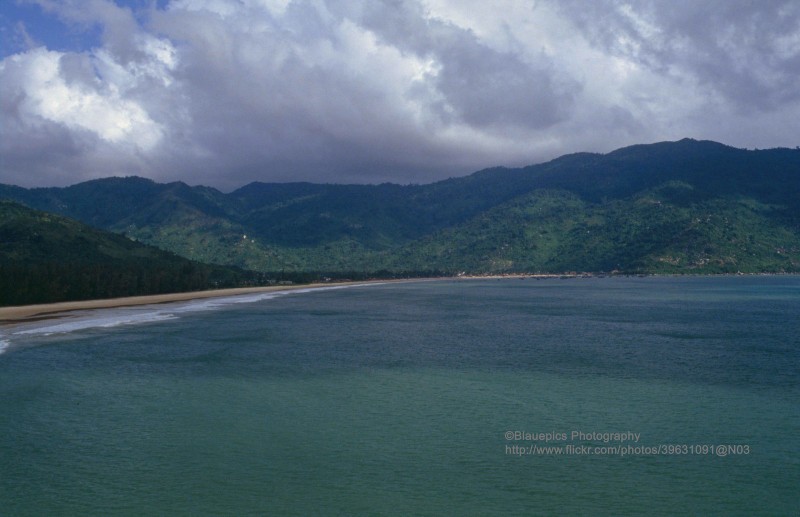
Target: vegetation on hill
[672, 207]
[557, 231]
[49, 258]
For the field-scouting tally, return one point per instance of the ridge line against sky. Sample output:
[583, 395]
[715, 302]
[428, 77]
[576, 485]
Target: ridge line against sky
[225, 92]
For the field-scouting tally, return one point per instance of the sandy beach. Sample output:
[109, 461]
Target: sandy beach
[21, 313]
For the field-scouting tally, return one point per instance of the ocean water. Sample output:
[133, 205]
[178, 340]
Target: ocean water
[605, 396]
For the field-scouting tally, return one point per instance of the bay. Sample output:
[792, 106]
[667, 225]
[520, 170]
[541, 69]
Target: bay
[398, 400]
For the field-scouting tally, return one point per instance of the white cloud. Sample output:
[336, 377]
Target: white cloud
[100, 108]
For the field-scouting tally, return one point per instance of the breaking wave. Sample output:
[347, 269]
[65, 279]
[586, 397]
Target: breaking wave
[137, 315]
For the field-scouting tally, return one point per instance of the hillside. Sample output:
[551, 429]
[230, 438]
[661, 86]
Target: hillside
[49, 258]
[687, 206]
[557, 231]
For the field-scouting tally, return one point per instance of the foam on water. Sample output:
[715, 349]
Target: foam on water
[332, 287]
[216, 303]
[107, 318]
[96, 321]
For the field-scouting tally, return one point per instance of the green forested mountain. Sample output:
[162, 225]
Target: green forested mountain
[688, 206]
[48, 258]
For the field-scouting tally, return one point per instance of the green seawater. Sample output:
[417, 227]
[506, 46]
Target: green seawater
[398, 399]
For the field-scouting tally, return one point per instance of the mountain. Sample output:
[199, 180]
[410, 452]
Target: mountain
[49, 258]
[686, 206]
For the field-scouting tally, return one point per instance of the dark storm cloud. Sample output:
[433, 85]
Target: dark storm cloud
[477, 84]
[223, 92]
[297, 98]
[747, 51]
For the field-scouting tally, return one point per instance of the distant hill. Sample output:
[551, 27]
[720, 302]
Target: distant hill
[671, 207]
[49, 258]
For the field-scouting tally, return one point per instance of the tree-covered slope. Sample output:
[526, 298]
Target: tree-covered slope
[557, 231]
[47, 258]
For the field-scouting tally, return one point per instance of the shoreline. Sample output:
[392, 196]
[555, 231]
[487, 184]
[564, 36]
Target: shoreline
[28, 313]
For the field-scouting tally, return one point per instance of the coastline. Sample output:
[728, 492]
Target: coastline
[26, 313]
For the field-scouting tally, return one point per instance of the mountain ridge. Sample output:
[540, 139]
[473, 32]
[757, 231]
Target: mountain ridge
[304, 226]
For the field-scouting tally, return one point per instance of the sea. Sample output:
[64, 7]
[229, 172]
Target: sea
[578, 396]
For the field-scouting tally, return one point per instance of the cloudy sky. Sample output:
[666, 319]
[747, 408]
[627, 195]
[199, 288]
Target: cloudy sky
[224, 92]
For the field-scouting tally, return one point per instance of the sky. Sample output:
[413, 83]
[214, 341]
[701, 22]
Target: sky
[225, 92]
